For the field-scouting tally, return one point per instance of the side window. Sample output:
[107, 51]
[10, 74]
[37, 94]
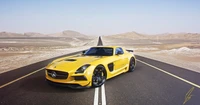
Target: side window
[119, 50]
[92, 51]
[116, 51]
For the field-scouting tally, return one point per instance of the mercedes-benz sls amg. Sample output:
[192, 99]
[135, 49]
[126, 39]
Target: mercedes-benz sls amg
[91, 68]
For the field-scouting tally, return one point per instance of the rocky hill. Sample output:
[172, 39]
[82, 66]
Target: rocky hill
[182, 36]
[68, 33]
[34, 34]
[129, 35]
[9, 34]
[165, 36]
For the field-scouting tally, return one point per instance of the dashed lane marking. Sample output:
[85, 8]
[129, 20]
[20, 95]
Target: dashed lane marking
[103, 95]
[96, 96]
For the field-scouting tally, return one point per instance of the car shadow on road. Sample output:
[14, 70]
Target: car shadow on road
[38, 84]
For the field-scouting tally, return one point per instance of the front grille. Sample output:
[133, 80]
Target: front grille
[57, 74]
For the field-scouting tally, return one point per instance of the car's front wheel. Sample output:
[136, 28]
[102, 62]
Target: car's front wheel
[99, 76]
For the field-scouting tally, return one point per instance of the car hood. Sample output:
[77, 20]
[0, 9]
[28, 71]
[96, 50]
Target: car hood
[72, 63]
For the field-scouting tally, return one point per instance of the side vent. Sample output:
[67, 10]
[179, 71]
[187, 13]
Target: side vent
[111, 67]
[72, 60]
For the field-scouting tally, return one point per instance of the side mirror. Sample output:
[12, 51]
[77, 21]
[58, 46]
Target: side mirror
[83, 52]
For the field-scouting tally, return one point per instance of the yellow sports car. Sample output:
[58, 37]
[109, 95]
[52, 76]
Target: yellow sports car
[92, 68]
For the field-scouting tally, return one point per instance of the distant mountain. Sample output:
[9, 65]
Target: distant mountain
[67, 33]
[9, 34]
[34, 34]
[182, 36]
[28, 34]
[165, 36]
[129, 35]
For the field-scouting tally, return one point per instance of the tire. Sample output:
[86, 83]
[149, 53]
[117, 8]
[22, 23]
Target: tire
[99, 76]
[132, 65]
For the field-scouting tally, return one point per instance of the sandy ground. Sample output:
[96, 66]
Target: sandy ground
[182, 53]
[16, 53]
[181, 60]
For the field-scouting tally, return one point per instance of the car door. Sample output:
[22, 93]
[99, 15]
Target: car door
[119, 62]
[123, 58]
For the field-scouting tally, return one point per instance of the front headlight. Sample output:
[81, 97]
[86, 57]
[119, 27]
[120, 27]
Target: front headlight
[82, 68]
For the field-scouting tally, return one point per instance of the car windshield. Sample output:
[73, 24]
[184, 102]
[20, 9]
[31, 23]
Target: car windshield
[99, 51]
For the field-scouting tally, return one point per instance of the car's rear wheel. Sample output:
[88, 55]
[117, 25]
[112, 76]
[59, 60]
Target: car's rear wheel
[99, 76]
[132, 65]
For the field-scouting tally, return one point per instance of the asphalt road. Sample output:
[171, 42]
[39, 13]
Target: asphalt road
[147, 85]
[100, 42]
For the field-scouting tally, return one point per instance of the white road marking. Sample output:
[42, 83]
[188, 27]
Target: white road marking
[96, 96]
[103, 95]
[182, 79]
[4, 85]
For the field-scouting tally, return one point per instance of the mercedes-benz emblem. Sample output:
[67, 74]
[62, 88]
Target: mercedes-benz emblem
[53, 74]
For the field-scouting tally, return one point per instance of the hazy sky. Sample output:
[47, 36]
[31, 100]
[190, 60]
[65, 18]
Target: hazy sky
[100, 17]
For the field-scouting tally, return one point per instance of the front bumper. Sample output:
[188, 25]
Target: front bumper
[73, 80]
[73, 86]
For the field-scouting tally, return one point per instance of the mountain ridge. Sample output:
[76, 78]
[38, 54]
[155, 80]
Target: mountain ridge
[66, 33]
[165, 36]
[129, 35]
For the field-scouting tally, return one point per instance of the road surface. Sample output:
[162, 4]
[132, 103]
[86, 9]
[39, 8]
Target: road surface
[152, 83]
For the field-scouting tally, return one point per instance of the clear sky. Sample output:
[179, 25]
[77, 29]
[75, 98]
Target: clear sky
[100, 17]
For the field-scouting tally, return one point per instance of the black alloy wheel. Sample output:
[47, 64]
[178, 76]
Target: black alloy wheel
[99, 76]
[132, 65]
